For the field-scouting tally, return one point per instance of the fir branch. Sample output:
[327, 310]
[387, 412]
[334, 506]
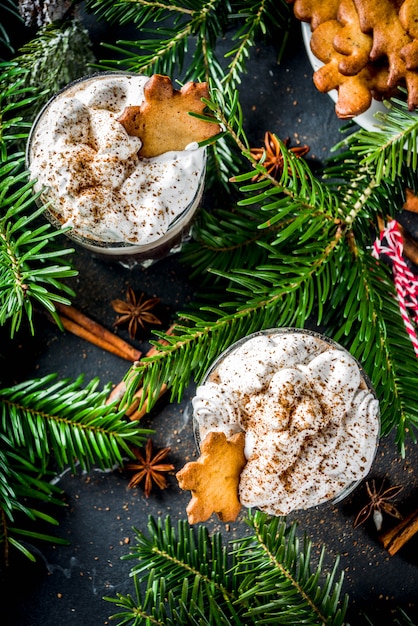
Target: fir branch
[259, 19]
[201, 22]
[25, 277]
[31, 270]
[371, 326]
[175, 27]
[391, 147]
[317, 267]
[369, 322]
[138, 12]
[25, 489]
[69, 421]
[281, 292]
[55, 57]
[15, 95]
[278, 580]
[264, 578]
[172, 47]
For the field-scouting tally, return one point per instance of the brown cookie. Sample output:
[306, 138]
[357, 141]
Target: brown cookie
[376, 45]
[315, 11]
[350, 41]
[354, 92]
[213, 479]
[381, 18]
[408, 16]
[162, 120]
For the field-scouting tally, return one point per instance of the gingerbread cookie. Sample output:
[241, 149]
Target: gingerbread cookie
[354, 92]
[162, 121]
[350, 41]
[408, 16]
[213, 479]
[376, 44]
[389, 37]
[315, 11]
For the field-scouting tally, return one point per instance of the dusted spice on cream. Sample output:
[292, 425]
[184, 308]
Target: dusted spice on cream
[311, 423]
[90, 167]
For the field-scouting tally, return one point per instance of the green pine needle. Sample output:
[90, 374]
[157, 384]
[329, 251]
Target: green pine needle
[266, 577]
[70, 419]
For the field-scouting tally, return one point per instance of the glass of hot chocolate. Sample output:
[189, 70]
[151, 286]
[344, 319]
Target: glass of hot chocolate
[309, 413]
[96, 185]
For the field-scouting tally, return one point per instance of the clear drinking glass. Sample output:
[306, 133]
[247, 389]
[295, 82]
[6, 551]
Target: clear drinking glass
[202, 406]
[62, 182]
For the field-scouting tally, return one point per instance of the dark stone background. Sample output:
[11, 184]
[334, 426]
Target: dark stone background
[65, 587]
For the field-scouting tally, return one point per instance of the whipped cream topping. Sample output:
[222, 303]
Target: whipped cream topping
[95, 180]
[311, 423]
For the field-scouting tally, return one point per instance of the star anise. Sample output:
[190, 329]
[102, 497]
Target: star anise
[379, 501]
[271, 156]
[148, 468]
[135, 312]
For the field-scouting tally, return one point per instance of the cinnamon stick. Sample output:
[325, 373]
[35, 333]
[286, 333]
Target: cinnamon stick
[81, 325]
[395, 538]
[137, 414]
[119, 391]
[410, 246]
[411, 201]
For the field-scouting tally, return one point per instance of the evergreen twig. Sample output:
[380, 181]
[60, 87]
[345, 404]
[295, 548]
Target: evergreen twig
[266, 577]
[63, 419]
[194, 27]
[59, 54]
[393, 145]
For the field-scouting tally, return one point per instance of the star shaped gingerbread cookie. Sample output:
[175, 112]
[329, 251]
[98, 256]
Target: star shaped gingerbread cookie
[213, 479]
[162, 120]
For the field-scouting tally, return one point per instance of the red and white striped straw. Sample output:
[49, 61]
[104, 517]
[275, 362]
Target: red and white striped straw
[406, 283]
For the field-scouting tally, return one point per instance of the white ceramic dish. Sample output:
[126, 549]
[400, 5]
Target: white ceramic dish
[366, 120]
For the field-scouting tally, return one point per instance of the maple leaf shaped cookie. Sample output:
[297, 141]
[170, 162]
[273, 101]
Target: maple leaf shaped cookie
[213, 479]
[162, 121]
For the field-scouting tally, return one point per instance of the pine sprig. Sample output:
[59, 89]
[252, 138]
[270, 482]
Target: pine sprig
[194, 27]
[139, 12]
[315, 265]
[265, 577]
[393, 146]
[25, 276]
[260, 18]
[59, 54]
[199, 22]
[276, 569]
[26, 488]
[15, 96]
[73, 422]
[46, 419]
[32, 267]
